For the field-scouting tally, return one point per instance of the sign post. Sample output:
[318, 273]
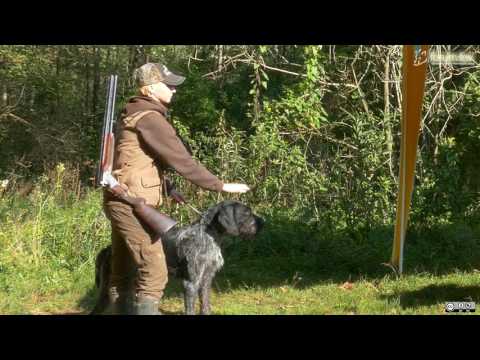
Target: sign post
[415, 58]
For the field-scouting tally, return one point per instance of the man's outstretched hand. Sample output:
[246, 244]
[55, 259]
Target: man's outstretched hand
[235, 188]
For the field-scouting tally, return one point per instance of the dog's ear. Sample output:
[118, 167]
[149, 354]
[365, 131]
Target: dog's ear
[210, 215]
[222, 217]
[227, 218]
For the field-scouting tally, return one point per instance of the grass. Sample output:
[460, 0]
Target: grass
[48, 245]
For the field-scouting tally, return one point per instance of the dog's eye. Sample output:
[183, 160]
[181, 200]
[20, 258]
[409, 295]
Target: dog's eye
[247, 220]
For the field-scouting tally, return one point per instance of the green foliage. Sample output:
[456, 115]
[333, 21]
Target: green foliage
[313, 129]
[50, 238]
[203, 115]
[325, 136]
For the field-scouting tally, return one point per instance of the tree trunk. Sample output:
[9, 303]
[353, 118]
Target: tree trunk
[4, 95]
[133, 58]
[54, 110]
[220, 57]
[87, 82]
[96, 80]
[32, 99]
[146, 53]
[386, 112]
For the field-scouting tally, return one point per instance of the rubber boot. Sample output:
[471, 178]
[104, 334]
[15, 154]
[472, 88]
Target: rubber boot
[146, 306]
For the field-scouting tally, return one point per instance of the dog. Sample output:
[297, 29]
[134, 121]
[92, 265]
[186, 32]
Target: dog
[192, 252]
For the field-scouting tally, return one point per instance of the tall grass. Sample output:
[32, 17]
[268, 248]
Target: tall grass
[49, 239]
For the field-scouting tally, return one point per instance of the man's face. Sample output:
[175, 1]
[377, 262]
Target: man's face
[162, 92]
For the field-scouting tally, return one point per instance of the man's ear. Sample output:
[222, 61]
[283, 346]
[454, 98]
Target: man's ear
[144, 90]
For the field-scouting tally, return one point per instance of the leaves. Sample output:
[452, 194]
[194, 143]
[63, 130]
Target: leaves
[346, 286]
[328, 157]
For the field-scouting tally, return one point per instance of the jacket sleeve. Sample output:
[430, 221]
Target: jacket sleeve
[162, 140]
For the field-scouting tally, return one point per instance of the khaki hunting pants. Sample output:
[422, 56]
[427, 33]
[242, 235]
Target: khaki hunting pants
[135, 254]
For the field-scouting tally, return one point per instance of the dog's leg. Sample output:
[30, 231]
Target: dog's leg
[101, 304]
[205, 289]
[190, 294]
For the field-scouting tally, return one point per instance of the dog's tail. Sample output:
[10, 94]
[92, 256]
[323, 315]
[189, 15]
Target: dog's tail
[102, 264]
[102, 272]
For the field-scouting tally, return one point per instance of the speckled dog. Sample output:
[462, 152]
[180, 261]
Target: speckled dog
[192, 252]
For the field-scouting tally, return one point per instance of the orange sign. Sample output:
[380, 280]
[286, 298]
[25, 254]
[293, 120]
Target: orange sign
[415, 58]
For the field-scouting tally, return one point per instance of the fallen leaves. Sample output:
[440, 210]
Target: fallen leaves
[346, 286]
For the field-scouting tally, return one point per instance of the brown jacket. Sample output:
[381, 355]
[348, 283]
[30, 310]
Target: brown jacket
[146, 143]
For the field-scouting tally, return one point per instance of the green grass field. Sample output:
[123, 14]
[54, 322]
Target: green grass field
[48, 245]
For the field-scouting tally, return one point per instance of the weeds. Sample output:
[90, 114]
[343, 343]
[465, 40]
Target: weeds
[50, 238]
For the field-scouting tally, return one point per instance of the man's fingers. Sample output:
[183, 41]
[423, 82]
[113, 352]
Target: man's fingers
[243, 188]
[235, 188]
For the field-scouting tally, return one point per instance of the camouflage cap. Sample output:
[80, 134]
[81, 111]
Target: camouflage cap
[152, 73]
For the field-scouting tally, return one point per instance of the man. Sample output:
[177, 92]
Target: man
[146, 143]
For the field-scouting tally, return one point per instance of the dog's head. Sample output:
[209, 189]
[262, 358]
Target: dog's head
[233, 218]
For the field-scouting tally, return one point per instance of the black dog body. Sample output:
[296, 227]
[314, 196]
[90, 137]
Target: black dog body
[192, 252]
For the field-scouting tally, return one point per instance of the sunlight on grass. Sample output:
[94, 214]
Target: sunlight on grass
[47, 255]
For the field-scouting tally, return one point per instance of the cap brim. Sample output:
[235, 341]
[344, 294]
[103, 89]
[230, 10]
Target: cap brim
[174, 80]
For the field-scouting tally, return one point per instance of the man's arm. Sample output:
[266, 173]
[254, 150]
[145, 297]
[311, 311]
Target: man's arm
[162, 140]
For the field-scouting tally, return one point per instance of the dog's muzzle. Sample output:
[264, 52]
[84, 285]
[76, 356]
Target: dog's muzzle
[250, 228]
